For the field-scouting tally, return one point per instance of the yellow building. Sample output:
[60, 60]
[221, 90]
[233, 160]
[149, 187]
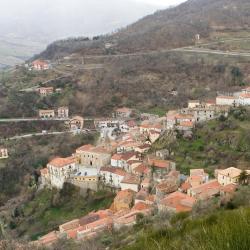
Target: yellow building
[46, 114]
[228, 176]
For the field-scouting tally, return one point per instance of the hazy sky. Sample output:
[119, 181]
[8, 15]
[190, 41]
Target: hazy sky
[52, 19]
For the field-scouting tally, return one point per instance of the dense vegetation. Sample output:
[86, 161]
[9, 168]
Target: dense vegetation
[216, 144]
[45, 210]
[19, 173]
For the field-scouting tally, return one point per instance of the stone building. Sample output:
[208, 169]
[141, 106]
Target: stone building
[91, 156]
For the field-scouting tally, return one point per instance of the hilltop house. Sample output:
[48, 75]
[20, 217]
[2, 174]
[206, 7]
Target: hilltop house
[91, 156]
[4, 153]
[45, 114]
[40, 65]
[63, 112]
[60, 169]
[45, 91]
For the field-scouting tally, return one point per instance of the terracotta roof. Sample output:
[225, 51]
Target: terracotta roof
[185, 186]
[211, 101]
[167, 186]
[49, 238]
[207, 189]
[141, 169]
[184, 116]
[178, 201]
[159, 163]
[116, 157]
[140, 206]
[126, 194]
[113, 170]
[72, 234]
[92, 149]
[91, 217]
[62, 162]
[245, 95]
[131, 123]
[230, 188]
[70, 225]
[187, 124]
[128, 155]
[40, 62]
[131, 179]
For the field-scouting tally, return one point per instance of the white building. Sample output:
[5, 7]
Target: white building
[60, 169]
[112, 176]
[63, 112]
[131, 182]
[226, 100]
[228, 176]
[4, 153]
[244, 99]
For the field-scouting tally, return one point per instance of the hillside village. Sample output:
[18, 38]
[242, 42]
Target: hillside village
[144, 181]
[137, 139]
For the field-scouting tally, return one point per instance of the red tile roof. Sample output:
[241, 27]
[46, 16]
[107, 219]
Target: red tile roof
[141, 169]
[140, 206]
[113, 170]
[159, 163]
[178, 201]
[62, 162]
[131, 179]
[117, 157]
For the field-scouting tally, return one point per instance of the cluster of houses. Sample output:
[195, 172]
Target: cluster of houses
[240, 98]
[143, 181]
[61, 113]
[197, 111]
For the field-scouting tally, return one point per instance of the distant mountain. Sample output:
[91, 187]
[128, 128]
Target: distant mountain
[170, 28]
[28, 26]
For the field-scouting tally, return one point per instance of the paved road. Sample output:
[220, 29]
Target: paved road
[29, 119]
[216, 52]
[37, 134]
[47, 133]
[195, 49]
